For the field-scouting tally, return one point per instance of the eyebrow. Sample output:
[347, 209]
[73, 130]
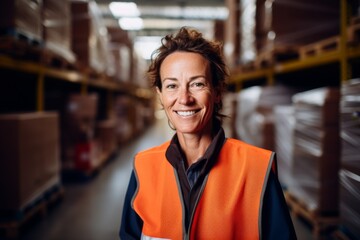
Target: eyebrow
[191, 79]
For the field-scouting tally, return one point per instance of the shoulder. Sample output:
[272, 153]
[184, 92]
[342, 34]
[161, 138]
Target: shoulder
[148, 153]
[238, 145]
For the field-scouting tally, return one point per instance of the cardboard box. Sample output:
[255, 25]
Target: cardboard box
[56, 22]
[29, 157]
[106, 135]
[77, 125]
[89, 36]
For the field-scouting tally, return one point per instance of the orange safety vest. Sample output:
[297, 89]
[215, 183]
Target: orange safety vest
[229, 206]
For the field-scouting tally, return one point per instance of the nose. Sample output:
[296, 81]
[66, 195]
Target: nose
[185, 97]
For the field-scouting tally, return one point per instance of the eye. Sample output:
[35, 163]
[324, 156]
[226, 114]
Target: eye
[197, 85]
[170, 86]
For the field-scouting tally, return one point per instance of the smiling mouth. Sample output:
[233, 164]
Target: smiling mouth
[186, 113]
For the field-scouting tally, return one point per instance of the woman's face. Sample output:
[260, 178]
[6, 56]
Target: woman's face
[187, 94]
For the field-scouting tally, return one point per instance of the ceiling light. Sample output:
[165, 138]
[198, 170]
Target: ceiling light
[124, 9]
[133, 23]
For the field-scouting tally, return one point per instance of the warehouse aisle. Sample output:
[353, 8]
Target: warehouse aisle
[92, 209]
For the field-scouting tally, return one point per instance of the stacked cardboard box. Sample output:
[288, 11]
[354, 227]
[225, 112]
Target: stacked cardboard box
[125, 117]
[316, 149]
[121, 50]
[350, 161]
[80, 150]
[89, 36]
[56, 21]
[21, 16]
[29, 157]
[106, 135]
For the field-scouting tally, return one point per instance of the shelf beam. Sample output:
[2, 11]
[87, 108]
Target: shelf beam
[309, 62]
[257, 74]
[69, 76]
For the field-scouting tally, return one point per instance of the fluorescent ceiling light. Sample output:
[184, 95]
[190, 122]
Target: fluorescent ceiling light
[221, 13]
[133, 23]
[155, 23]
[145, 46]
[124, 9]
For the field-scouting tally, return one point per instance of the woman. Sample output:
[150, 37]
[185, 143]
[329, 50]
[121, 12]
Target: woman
[200, 185]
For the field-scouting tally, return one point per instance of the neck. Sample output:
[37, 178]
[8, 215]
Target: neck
[194, 145]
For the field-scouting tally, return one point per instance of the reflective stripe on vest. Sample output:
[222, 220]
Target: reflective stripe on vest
[230, 204]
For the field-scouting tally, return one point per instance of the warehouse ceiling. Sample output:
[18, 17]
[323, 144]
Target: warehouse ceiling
[161, 16]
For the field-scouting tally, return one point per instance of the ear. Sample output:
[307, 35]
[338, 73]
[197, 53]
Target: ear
[158, 91]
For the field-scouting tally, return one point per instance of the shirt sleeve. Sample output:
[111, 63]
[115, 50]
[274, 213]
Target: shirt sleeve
[131, 223]
[276, 221]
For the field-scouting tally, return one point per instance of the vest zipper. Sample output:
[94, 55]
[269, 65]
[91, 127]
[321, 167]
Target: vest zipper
[187, 234]
[182, 204]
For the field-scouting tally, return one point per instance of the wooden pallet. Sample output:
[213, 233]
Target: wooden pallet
[320, 47]
[19, 49]
[22, 36]
[320, 224]
[52, 59]
[12, 222]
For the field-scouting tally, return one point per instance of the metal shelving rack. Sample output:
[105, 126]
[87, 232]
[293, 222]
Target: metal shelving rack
[341, 55]
[72, 76]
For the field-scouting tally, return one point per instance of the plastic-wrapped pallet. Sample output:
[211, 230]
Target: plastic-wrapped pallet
[284, 143]
[350, 160]
[316, 149]
[254, 114]
[21, 17]
[350, 125]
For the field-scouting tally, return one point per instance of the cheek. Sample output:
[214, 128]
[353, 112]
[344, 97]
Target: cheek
[167, 99]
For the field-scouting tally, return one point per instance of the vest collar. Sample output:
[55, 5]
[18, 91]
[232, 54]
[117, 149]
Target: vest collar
[176, 157]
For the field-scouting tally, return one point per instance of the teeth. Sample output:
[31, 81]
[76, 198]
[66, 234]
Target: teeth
[185, 113]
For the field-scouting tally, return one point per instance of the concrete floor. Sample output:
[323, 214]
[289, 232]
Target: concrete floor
[92, 209]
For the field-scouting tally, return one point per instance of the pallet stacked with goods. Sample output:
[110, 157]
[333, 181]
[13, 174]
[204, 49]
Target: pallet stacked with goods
[58, 99]
[304, 53]
[349, 172]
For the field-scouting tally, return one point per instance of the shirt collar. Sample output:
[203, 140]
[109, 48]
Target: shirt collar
[175, 155]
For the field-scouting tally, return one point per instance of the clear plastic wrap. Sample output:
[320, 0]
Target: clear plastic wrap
[317, 149]
[349, 202]
[255, 117]
[350, 124]
[284, 143]
[247, 29]
[247, 100]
